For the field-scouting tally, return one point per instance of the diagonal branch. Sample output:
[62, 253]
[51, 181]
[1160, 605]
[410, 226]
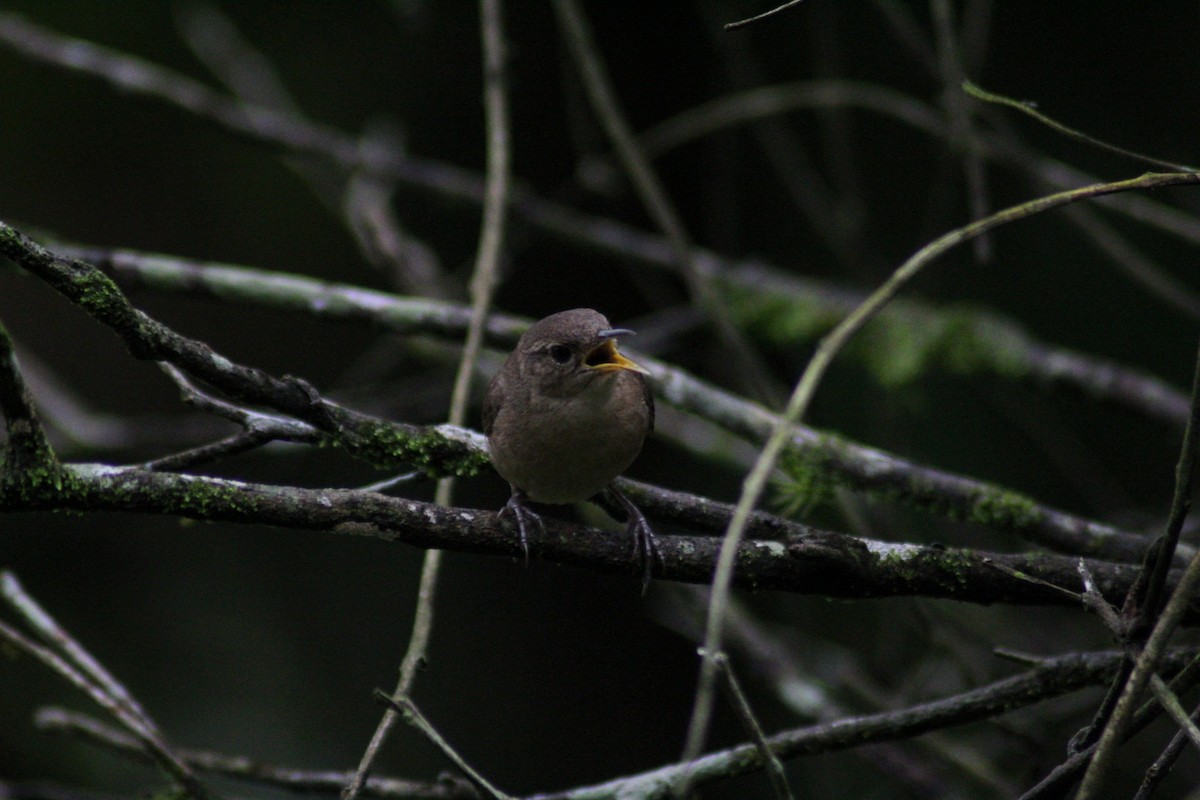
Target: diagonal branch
[50, 719]
[801, 398]
[382, 443]
[79, 669]
[1052, 678]
[829, 460]
[1164, 623]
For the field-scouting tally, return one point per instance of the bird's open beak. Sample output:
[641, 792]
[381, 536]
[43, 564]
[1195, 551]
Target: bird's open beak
[604, 357]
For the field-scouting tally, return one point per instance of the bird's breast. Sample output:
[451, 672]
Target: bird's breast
[562, 450]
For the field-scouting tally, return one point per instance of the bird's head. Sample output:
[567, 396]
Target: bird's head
[566, 352]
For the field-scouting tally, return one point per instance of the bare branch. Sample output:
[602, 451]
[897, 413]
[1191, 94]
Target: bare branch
[756, 481]
[482, 288]
[1052, 678]
[89, 729]
[89, 677]
[413, 716]
[1145, 610]
[741, 706]
[741, 23]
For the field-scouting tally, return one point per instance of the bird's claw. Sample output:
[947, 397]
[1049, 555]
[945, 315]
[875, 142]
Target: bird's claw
[523, 515]
[645, 546]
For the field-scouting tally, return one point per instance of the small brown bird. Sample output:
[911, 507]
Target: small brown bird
[567, 414]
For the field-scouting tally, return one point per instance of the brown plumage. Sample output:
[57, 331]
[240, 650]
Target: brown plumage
[565, 415]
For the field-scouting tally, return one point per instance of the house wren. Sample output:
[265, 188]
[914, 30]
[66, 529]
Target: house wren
[567, 414]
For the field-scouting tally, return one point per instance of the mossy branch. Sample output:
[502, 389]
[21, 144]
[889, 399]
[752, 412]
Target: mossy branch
[27, 457]
[822, 460]
[438, 450]
[782, 555]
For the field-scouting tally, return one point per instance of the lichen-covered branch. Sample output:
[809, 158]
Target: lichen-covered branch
[440, 449]
[785, 556]
[815, 461]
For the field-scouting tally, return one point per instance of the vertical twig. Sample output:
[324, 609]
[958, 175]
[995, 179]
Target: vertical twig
[1181, 503]
[756, 481]
[959, 113]
[1156, 772]
[1147, 661]
[483, 283]
[654, 198]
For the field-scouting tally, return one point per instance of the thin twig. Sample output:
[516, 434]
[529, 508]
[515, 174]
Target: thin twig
[219, 450]
[414, 659]
[259, 428]
[1094, 600]
[87, 728]
[741, 706]
[741, 23]
[59, 638]
[1136, 265]
[395, 480]
[1053, 678]
[1029, 108]
[1033, 579]
[482, 288]
[798, 689]
[1056, 784]
[963, 136]
[1157, 771]
[413, 716]
[163, 755]
[653, 195]
[755, 483]
[1170, 702]
[1186, 477]
[365, 205]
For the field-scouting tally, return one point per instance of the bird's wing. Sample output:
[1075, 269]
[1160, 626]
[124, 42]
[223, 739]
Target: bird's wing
[648, 395]
[491, 404]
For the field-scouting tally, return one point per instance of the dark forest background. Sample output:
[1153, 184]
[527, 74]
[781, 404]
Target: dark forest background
[268, 642]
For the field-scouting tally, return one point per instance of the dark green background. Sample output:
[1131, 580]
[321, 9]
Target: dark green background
[268, 642]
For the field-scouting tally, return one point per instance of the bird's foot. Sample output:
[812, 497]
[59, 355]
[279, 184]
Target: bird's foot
[645, 546]
[523, 515]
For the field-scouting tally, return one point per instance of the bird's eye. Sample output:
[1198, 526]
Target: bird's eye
[560, 353]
